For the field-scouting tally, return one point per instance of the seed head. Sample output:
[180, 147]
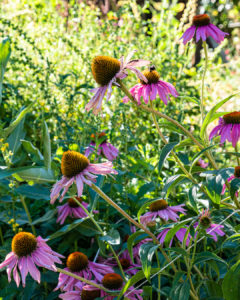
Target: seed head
[201, 20]
[112, 281]
[158, 205]
[73, 163]
[77, 261]
[24, 243]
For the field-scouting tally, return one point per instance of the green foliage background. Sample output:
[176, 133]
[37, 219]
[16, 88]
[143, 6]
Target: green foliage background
[50, 67]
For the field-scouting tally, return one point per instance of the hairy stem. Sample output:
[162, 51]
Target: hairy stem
[84, 280]
[203, 78]
[131, 220]
[161, 115]
[28, 214]
[100, 229]
[238, 159]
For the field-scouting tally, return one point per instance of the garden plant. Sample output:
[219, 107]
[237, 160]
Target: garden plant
[120, 162]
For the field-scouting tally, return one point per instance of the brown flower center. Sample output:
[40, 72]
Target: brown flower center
[205, 221]
[73, 163]
[237, 172]
[90, 294]
[125, 263]
[24, 243]
[151, 75]
[77, 261]
[158, 205]
[201, 20]
[72, 202]
[232, 118]
[112, 281]
[104, 68]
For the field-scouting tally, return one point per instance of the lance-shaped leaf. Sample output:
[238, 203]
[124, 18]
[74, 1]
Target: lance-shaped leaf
[5, 52]
[46, 147]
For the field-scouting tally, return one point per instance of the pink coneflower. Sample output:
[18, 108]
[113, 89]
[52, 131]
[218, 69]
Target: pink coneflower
[149, 90]
[27, 252]
[106, 70]
[211, 229]
[180, 234]
[128, 266]
[228, 128]
[161, 209]
[201, 163]
[235, 175]
[72, 209]
[111, 281]
[78, 263]
[203, 28]
[77, 168]
[106, 149]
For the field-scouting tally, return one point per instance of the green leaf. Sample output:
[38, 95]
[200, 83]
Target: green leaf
[198, 155]
[5, 52]
[173, 230]
[46, 147]
[4, 172]
[133, 280]
[37, 175]
[193, 197]
[231, 283]
[85, 226]
[45, 218]
[211, 116]
[28, 146]
[172, 182]
[131, 241]
[14, 139]
[18, 119]
[112, 237]
[146, 253]
[164, 154]
[181, 291]
[88, 228]
[205, 256]
[235, 185]
[36, 192]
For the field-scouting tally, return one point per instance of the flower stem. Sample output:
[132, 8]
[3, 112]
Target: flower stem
[100, 229]
[28, 214]
[203, 78]
[161, 115]
[84, 280]
[238, 159]
[131, 220]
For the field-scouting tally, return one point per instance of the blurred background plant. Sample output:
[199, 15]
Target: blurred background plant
[49, 74]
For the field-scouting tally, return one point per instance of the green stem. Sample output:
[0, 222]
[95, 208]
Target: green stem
[84, 280]
[238, 159]
[161, 115]
[100, 229]
[159, 276]
[1, 236]
[131, 220]
[28, 214]
[203, 78]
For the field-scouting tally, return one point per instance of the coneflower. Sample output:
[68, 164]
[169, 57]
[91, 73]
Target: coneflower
[106, 70]
[149, 90]
[27, 252]
[202, 28]
[77, 168]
